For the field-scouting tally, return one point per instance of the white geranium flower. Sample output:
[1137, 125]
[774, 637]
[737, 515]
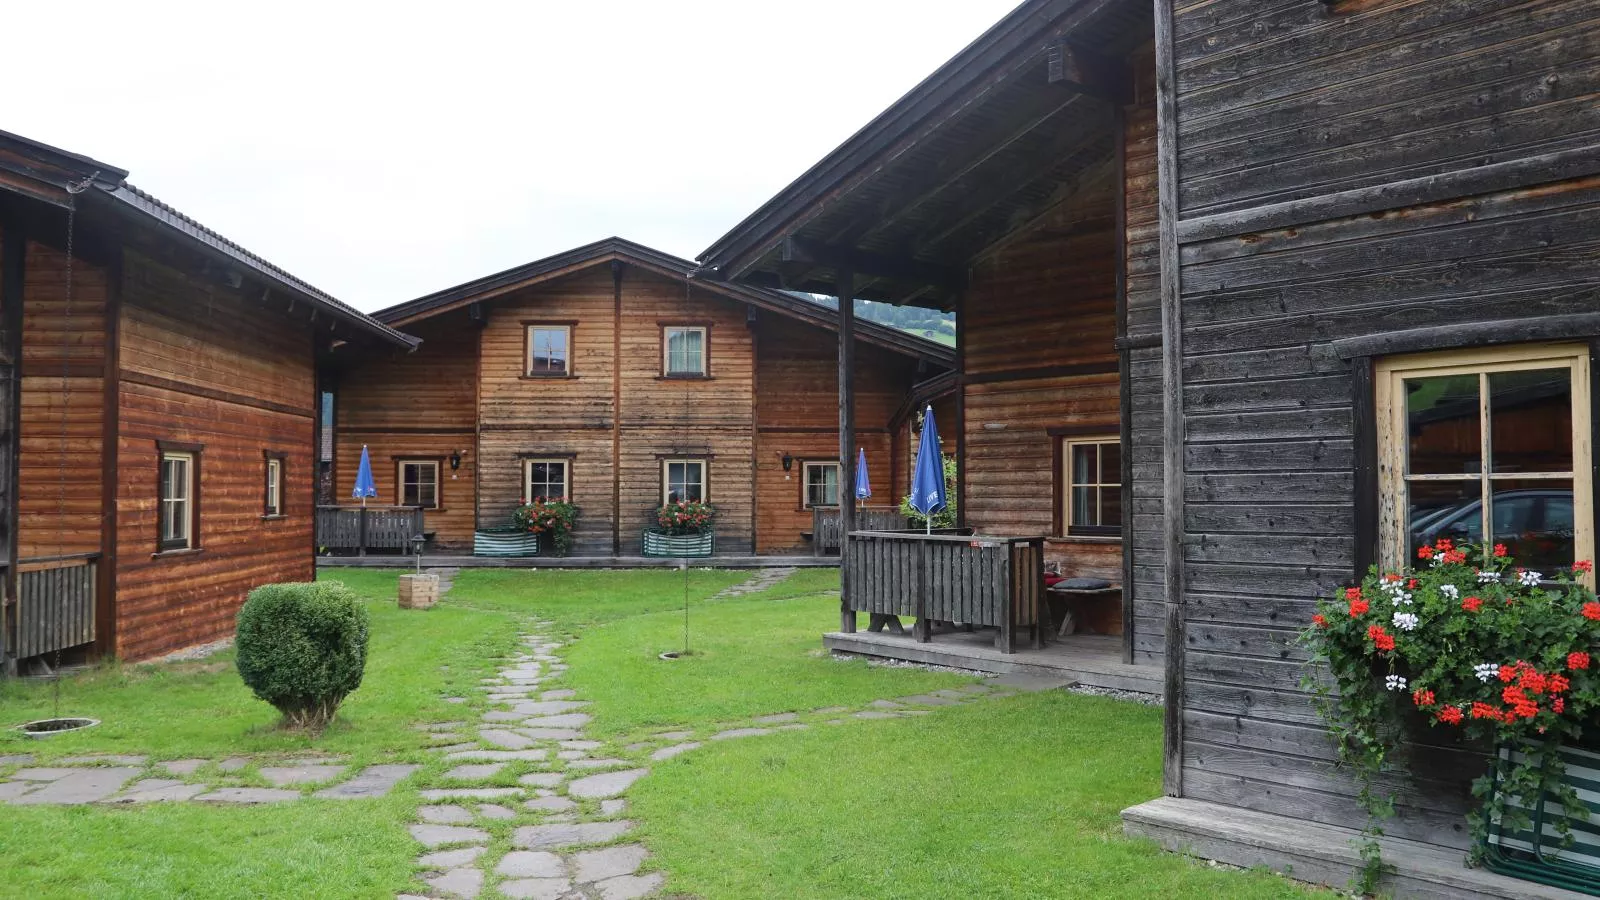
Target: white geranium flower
[1395, 683]
[1401, 598]
[1488, 577]
[1405, 621]
[1450, 591]
[1529, 578]
[1486, 672]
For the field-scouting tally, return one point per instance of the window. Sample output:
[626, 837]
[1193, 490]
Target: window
[419, 483]
[177, 512]
[546, 478]
[1092, 478]
[1486, 447]
[549, 350]
[273, 494]
[684, 349]
[683, 479]
[821, 484]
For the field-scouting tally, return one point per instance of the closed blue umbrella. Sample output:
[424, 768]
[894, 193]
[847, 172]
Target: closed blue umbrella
[863, 483]
[927, 480]
[364, 485]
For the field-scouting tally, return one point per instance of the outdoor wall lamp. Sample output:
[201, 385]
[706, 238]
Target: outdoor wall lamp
[788, 463]
[455, 460]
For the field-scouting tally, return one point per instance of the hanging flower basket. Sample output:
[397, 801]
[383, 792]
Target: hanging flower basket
[681, 546]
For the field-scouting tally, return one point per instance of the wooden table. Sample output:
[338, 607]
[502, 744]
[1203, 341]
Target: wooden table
[1069, 619]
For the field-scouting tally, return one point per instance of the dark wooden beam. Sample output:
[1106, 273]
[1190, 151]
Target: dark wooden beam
[852, 261]
[1086, 72]
[13, 259]
[846, 290]
[1364, 418]
[1124, 383]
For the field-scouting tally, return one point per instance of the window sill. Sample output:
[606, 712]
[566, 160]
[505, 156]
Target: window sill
[1084, 539]
[273, 517]
[177, 551]
[685, 378]
[546, 377]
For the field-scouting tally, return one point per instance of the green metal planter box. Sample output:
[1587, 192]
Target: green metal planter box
[1543, 858]
[681, 546]
[509, 541]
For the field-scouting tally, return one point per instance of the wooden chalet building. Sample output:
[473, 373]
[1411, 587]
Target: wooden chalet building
[611, 375]
[1223, 241]
[157, 415]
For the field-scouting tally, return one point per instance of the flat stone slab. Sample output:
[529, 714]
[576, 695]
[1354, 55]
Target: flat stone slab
[16, 759]
[562, 694]
[439, 726]
[572, 754]
[492, 811]
[500, 715]
[476, 772]
[549, 707]
[536, 753]
[777, 718]
[248, 795]
[181, 767]
[80, 786]
[607, 763]
[508, 740]
[550, 804]
[551, 734]
[463, 882]
[373, 781]
[609, 784]
[1032, 682]
[108, 759]
[884, 704]
[555, 837]
[531, 864]
[739, 733]
[630, 887]
[612, 807]
[568, 720]
[927, 700]
[542, 779]
[445, 815]
[283, 776]
[598, 865]
[875, 714]
[450, 859]
[10, 790]
[49, 774]
[581, 745]
[471, 793]
[536, 888]
[949, 694]
[675, 735]
[443, 835]
[233, 764]
[158, 790]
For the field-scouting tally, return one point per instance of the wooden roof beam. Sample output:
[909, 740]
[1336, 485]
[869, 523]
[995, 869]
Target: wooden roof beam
[1086, 72]
[876, 265]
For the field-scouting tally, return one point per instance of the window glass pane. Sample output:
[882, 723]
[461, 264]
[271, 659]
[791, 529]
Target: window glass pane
[1530, 416]
[1443, 509]
[1111, 507]
[1084, 464]
[1442, 425]
[1084, 506]
[685, 351]
[547, 351]
[1110, 463]
[1533, 518]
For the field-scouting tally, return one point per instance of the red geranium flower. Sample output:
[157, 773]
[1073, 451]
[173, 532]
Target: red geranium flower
[1558, 705]
[1411, 584]
[1512, 695]
[1557, 683]
[1450, 715]
[1508, 673]
[1472, 604]
[1444, 543]
[1484, 711]
[1424, 552]
[1422, 698]
[1583, 565]
[1532, 681]
[1500, 550]
[1591, 610]
[1455, 556]
[1358, 608]
[1319, 621]
[1578, 661]
[1352, 593]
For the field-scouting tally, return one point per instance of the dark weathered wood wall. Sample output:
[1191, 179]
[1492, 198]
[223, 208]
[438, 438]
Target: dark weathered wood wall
[1317, 103]
[203, 364]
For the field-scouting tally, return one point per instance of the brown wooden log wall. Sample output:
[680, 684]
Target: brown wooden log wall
[201, 364]
[1302, 101]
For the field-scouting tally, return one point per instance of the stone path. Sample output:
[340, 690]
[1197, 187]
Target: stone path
[764, 578]
[111, 778]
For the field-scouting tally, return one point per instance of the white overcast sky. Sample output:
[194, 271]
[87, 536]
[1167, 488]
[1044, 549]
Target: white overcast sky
[384, 151]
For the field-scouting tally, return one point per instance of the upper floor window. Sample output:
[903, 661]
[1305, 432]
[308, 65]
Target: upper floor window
[419, 483]
[683, 479]
[1091, 481]
[1486, 447]
[272, 504]
[549, 350]
[178, 516]
[684, 349]
[821, 484]
[545, 479]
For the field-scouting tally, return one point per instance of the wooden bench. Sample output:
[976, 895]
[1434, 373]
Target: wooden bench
[1069, 617]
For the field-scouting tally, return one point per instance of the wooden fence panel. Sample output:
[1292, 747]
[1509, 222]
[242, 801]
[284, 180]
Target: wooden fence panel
[55, 604]
[363, 528]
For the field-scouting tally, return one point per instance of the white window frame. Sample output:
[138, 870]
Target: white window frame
[666, 350]
[528, 347]
[705, 477]
[400, 482]
[1390, 376]
[173, 510]
[527, 477]
[274, 491]
[1068, 520]
[805, 482]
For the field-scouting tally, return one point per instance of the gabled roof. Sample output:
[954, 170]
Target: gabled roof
[615, 248]
[53, 175]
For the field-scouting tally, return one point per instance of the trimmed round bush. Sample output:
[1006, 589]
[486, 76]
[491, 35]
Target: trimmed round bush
[302, 647]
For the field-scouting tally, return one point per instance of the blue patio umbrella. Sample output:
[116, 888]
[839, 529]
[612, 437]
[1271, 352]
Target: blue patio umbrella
[863, 483]
[364, 485]
[927, 479]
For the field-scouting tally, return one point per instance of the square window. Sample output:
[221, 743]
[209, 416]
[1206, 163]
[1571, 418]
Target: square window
[683, 480]
[684, 349]
[545, 479]
[419, 483]
[821, 484]
[549, 350]
[1091, 482]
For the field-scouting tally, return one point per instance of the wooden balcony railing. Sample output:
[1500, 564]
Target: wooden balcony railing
[827, 535]
[361, 528]
[55, 603]
[989, 581]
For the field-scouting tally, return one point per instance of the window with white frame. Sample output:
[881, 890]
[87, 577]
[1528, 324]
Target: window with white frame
[821, 484]
[545, 479]
[419, 483]
[177, 510]
[1487, 447]
[683, 480]
[684, 349]
[549, 350]
[273, 492]
[1091, 482]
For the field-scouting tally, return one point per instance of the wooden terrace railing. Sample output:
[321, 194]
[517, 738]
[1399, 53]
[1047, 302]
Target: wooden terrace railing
[990, 581]
[363, 528]
[827, 535]
[55, 603]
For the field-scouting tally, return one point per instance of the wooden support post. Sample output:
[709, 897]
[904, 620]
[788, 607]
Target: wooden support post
[923, 629]
[361, 532]
[846, 290]
[13, 257]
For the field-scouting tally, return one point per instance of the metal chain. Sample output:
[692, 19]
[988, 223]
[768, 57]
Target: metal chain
[73, 190]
